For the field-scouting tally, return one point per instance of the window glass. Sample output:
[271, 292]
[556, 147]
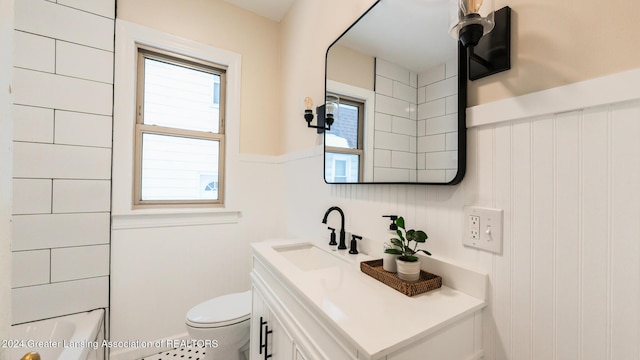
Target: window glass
[179, 168]
[180, 97]
[342, 167]
[344, 143]
[344, 132]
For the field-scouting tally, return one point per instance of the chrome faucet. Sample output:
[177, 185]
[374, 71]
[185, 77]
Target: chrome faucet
[342, 244]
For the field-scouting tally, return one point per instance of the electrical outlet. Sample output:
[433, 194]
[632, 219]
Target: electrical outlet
[474, 227]
[483, 228]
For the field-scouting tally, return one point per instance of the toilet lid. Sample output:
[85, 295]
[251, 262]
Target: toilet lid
[223, 309]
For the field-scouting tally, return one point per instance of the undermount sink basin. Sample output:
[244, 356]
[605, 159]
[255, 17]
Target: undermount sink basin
[309, 257]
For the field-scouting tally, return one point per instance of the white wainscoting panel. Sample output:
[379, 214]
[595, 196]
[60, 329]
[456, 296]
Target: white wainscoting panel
[566, 285]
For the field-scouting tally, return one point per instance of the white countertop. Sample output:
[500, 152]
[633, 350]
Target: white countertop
[375, 317]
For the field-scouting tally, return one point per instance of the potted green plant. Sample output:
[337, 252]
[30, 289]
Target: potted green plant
[408, 264]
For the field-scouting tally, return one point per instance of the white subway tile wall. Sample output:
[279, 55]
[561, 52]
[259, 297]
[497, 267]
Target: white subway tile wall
[66, 297]
[81, 196]
[61, 92]
[30, 268]
[32, 124]
[65, 23]
[31, 232]
[31, 196]
[395, 122]
[73, 128]
[35, 160]
[63, 100]
[80, 262]
[34, 52]
[415, 123]
[84, 62]
[437, 118]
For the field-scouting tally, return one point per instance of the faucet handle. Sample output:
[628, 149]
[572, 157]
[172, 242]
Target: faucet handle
[333, 236]
[393, 219]
[354, 244]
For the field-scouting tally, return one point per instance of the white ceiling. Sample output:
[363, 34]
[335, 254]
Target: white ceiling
[411, 33]
[272, 9]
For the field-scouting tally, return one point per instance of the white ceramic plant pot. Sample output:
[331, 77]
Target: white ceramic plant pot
[389, 262]
[408, 271]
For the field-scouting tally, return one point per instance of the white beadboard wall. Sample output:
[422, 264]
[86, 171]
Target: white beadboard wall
[63, 100]
[563, 165]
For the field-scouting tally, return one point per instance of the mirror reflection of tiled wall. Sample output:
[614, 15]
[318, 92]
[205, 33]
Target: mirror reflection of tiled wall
[415, 123]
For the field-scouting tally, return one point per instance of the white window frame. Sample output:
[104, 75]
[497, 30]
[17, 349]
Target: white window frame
[145, 52]
[368, 97]
[125, 215]
[359, 150]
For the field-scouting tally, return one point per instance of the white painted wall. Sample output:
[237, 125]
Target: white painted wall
[565, 285]
[159, 272]
[6, 131]
[221, 24]
[165, 261]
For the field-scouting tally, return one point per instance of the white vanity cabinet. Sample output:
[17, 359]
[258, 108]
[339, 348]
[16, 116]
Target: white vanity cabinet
[269, 339]
[297, 333]
[339, 313]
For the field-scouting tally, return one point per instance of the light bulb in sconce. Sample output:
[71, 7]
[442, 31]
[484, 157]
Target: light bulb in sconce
[470, 20]
[308, 103]
[308, 110]
[330, 107]
[332, 103]
[468, 7]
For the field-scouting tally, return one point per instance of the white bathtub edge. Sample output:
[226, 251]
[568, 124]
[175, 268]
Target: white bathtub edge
[86, 325]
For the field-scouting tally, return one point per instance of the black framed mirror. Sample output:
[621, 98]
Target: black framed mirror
[401, 80]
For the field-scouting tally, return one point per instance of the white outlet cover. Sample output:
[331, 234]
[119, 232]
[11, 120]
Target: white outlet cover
[491, 227]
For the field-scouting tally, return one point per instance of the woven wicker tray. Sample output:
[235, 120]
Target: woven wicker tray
[427, 281]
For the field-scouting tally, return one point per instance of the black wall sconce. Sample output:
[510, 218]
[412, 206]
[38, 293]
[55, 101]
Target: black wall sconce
[485, 33]
[326, 113]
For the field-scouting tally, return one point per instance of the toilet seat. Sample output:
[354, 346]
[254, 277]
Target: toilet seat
[222, 311]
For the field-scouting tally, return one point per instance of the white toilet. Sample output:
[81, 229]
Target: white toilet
[223, 321]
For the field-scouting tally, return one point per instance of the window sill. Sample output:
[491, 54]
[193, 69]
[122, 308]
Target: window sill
[156, 218]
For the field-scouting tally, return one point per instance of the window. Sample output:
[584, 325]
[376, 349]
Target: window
[344, 143]
[179, 131]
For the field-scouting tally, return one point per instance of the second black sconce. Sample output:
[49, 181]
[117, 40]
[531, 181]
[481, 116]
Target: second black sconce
[486, 34]
[325, 113]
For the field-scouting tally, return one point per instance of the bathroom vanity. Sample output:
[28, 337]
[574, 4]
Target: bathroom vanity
[311, 303]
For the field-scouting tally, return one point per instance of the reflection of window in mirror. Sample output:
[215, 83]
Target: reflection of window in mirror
[344, 143]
